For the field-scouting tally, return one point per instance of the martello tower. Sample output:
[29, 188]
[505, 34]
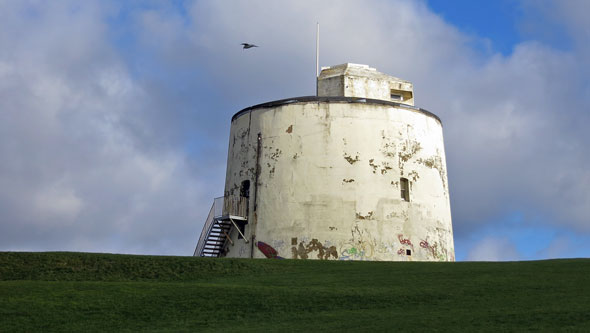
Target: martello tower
[355, 173]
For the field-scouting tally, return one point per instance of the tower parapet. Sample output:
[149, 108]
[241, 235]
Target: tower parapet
[362, 81]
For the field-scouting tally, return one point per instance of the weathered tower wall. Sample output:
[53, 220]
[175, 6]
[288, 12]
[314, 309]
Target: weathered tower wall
[327, 174]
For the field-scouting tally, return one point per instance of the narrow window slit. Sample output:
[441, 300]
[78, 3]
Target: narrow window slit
[404, 185]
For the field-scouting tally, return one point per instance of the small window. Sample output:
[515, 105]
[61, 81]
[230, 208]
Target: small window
[245, 189]
[398, 95]
[404, 185]
[408, 252]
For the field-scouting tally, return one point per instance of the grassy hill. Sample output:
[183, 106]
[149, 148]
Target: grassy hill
[106, 292]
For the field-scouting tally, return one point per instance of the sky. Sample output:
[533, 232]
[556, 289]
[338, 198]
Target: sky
[114, 115]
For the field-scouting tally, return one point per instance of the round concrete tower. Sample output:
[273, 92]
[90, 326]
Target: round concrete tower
[355, 173]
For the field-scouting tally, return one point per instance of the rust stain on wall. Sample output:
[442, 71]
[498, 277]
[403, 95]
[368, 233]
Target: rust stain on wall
[302, 250]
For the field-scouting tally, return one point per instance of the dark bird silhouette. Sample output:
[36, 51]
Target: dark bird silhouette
[248, 46]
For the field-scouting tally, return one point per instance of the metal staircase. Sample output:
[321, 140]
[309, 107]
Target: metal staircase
[226, 214]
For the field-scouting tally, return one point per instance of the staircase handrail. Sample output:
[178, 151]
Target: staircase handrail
[227, 206]
[205, 232]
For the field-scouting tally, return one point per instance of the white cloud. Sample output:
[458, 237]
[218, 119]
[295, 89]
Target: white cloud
[560, 247]
[57, 202]
[493, 249]
[75, 174]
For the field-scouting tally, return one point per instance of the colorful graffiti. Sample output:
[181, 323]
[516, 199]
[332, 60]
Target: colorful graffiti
[424, 244]
[353, 253]
[268, 250]
[433, 249]
[404, 241]
[359, 247]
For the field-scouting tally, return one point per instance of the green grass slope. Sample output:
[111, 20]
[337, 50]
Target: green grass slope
[105, 292]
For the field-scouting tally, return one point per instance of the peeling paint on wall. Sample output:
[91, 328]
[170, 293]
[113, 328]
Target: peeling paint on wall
[388, 147]
[351, 160]
[414, 175]
[302, 251]
[409, 148]
[435, 162]
[385, 168]
[373, 165]
[369, 216]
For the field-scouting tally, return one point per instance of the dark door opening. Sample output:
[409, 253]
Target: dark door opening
[245, 189]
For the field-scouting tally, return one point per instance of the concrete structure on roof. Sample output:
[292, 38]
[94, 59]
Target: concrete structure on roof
[355, 173]
[362, 81]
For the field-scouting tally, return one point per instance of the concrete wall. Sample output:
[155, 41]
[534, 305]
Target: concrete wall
[328, 183]
[332, 86]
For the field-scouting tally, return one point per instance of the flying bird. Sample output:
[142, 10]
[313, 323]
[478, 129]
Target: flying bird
[248, 46]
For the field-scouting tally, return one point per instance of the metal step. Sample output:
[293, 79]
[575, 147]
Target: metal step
[212, 242]
[217, 234]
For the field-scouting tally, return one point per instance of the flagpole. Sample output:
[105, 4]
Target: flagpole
[317, 57]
